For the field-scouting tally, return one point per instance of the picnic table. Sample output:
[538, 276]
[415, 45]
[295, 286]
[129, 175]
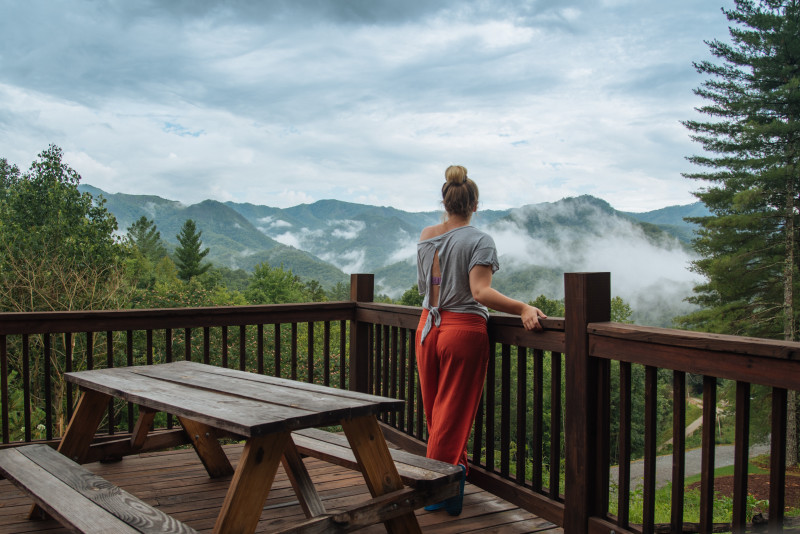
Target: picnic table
[264, 411]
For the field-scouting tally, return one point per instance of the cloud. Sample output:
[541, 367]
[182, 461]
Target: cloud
[347, 229]
[288, 102]
[652, 276]
[271, 222]
[348, 262]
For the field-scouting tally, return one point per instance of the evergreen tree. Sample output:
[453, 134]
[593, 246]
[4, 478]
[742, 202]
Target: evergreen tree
[189, 254]
[144, 235]
[749, 242]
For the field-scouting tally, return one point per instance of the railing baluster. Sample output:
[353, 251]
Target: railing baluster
[206, 345]
[741, 457]
[260, 349]
[168, 356]
[624, 470]
[522, 398]
[149, 347]
[187, 344]
[68, 369]
[603, 448]
[294, 351]
[4, 387]
[478, 427]
[371, 358]
[678, 448]
[343, 354]
[224, 333]
[538, 419]
[242, 347]
[26, 387]
[416, 420]
[377, 358]
[47, 353]
[89, 351]
[109, 365]
[326, 353]
[129, 362]
[490, 392]
[403, 379]
[393, 372]
[505, 409]
[707, 461]
[777, 465]
[277, 341]
[650, 445]
[310, 352]
[555, 425]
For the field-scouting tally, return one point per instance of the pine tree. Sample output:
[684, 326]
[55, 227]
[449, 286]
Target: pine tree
[144, 235]
[749, 242]
[189, 254]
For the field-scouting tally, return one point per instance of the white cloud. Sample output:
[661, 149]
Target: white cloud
[287, 104]
[347, 229]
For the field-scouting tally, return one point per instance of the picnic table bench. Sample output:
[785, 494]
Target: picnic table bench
[275, 417]
[80, 500]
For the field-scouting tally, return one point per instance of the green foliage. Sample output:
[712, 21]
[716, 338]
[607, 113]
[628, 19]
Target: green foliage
[274, 285]
[57, 245]
[749, 242]
[189, 254]
[550, 307]
[144, 235]
[411, 297]
[339, 292]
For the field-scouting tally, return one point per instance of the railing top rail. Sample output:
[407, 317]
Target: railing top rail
[768, 348]
[757, 361]
[141, 319]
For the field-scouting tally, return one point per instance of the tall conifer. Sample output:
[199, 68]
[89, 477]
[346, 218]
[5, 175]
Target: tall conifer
[189, 254]
[749, 243]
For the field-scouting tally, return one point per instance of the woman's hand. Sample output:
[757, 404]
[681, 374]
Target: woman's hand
[530, 317]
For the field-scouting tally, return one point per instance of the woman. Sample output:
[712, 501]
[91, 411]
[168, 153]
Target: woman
[455, 263]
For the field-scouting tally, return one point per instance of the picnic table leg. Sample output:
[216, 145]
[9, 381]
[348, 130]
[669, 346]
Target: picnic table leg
[301, 481]
[372, 454]
[251, 484]
[142, 428]
[80, 433]
[205, 443]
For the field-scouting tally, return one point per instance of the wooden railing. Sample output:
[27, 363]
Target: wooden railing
[543, 436]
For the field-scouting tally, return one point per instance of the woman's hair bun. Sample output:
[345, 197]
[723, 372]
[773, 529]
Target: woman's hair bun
[459, 193]
[455, 174]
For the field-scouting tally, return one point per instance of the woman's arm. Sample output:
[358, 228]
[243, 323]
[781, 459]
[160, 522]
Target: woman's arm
[480, 283]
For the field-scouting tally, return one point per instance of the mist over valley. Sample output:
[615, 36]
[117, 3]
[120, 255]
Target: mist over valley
[648, 254]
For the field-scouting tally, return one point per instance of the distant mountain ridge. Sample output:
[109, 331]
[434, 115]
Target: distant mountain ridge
[330, 239]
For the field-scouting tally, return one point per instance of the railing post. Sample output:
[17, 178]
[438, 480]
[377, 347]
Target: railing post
[362, 289]
[587, 299]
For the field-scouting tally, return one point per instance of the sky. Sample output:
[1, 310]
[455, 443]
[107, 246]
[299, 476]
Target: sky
[287, 102]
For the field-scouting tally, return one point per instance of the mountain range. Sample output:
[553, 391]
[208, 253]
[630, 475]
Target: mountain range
[647, 253]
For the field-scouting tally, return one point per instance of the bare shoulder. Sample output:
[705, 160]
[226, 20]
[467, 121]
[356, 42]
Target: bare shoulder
[431, 231]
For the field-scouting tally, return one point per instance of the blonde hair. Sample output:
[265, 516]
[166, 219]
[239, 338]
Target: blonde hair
[459, 192]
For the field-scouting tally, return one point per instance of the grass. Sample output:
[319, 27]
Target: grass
[723, 506]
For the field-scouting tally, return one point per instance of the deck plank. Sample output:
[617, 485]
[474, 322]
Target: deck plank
[176, 483]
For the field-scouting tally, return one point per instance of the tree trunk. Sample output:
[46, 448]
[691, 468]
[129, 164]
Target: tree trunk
[789, 326]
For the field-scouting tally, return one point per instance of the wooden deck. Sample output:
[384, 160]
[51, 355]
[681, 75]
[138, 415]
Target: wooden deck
[176, 483]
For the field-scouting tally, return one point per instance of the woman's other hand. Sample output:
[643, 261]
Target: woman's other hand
[530, 318]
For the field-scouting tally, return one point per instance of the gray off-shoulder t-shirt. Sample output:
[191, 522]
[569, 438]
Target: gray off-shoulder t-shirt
[460, 250]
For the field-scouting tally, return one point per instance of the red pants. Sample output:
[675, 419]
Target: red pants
[452, 368]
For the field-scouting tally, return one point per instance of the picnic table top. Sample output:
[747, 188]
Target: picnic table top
[246, 404]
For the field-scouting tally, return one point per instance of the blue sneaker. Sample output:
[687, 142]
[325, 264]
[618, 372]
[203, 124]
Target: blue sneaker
[434, 507]
[454, 504]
